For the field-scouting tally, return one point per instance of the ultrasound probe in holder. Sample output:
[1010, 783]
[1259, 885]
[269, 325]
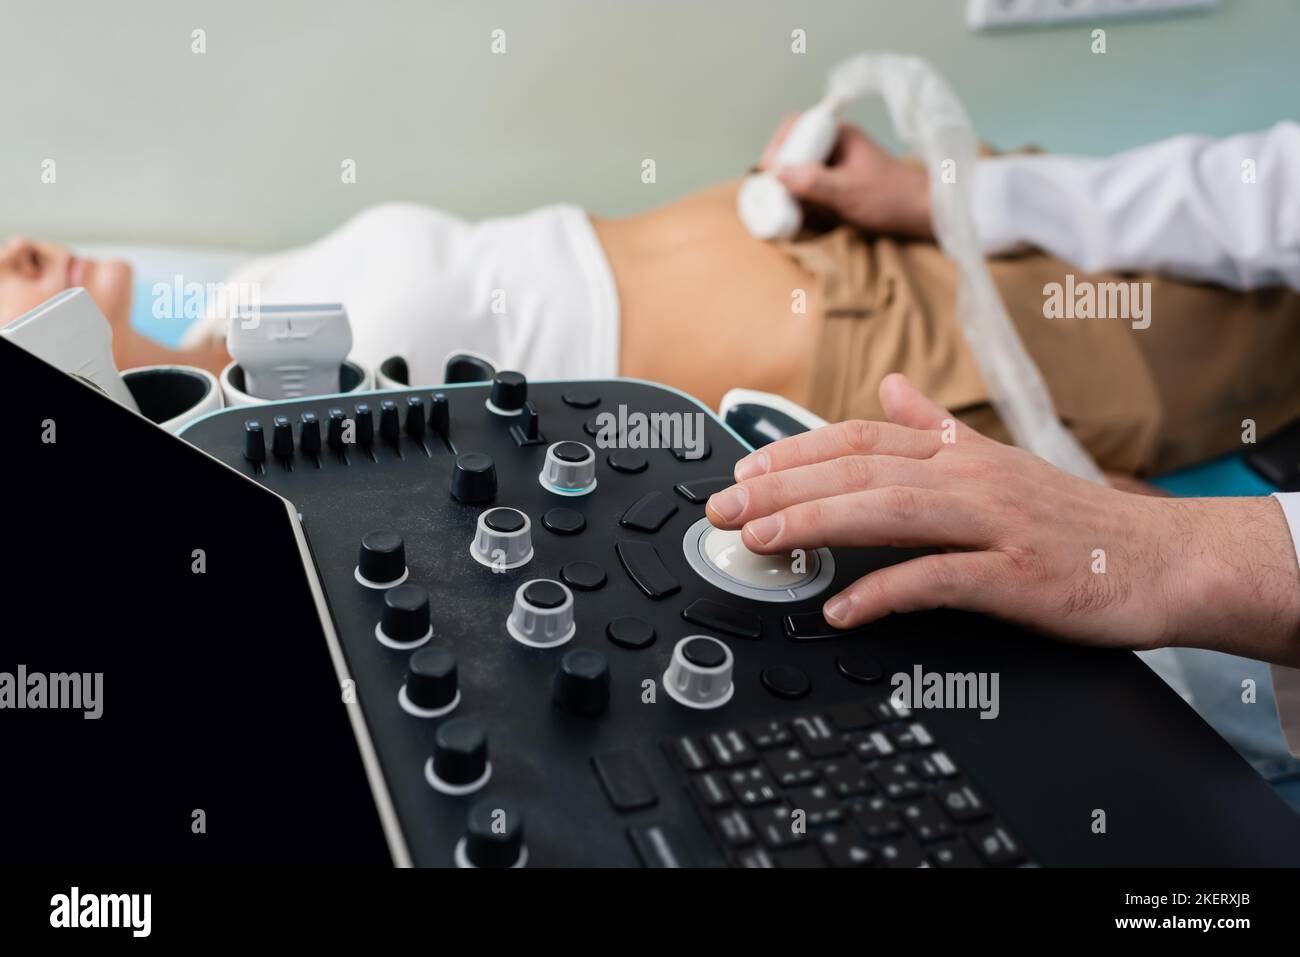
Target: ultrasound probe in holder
[291, 351]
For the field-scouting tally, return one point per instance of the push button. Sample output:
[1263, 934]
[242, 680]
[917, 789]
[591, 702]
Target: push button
[630, 633]
[697, 491]
[718, 617]
[649, 512]
[786, 681]
[584, 576]
[813, 626]
[628, 461]
[643, 565]
[563, 521]
[625, 780]
[581, 398]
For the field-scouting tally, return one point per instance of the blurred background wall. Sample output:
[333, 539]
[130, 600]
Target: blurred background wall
[243, 145]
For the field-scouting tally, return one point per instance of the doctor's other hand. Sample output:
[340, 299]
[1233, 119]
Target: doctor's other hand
[861, 182]
[1019, 539]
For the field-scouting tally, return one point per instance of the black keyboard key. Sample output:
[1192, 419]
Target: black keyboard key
[658, 845]
[954, 854]
[847, 777]
[995, 845]
[897, 782]
[934, 766]
[649, 512]
[869, 745]
[961, 803]
[851, 716]
[819, 804]
[735, 828]
[818, 737]
[877, 817]
[697, 491]
[790, 767]
[911, 737]
[845, 847]
[752, 786]
[711, 789]
[924, 819]
[756, 857]
[729, 748]
[769, 734]
[625, 779]
[779, 826]
[643, 565]
[901, 852]
[888, 711]
[716, 616]
[805, 856]
[691, 754]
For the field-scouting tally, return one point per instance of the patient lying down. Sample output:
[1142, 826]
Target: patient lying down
[683, 295]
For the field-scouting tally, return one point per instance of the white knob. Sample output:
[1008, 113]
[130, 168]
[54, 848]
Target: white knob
[570, 469]
[504, 539]
[542, 616]
[699, 675]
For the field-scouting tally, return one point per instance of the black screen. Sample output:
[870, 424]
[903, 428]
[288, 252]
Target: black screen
[218, 693]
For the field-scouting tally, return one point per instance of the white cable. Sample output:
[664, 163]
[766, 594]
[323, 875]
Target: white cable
[928, 117]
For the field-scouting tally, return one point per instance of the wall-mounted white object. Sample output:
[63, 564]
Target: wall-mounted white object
[996, 14]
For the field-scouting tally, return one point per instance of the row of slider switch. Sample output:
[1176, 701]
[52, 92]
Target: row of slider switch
[391, 426]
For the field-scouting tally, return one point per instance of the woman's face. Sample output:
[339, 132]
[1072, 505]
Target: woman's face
[32, 272]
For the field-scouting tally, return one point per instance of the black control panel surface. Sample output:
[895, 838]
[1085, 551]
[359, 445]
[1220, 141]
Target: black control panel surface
[514, 599]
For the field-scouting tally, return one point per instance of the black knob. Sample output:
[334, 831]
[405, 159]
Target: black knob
[406, 613]
[494, 835]
[365, 424]
[460, 755]
[509, 391]
[282, 437]
[383, 557]
[415, 417]
[309, 433]
[582, 683]
[440, 414]
[335, 433]
[474, 478]
[390, 428]
[254, 441]
[432, 679]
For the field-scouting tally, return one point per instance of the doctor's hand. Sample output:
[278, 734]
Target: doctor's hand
[861, 183]
[1020, 539]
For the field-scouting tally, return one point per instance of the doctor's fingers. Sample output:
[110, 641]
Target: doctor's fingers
[765, 494]
[969, 581]
[897, 515]
[854, 437]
